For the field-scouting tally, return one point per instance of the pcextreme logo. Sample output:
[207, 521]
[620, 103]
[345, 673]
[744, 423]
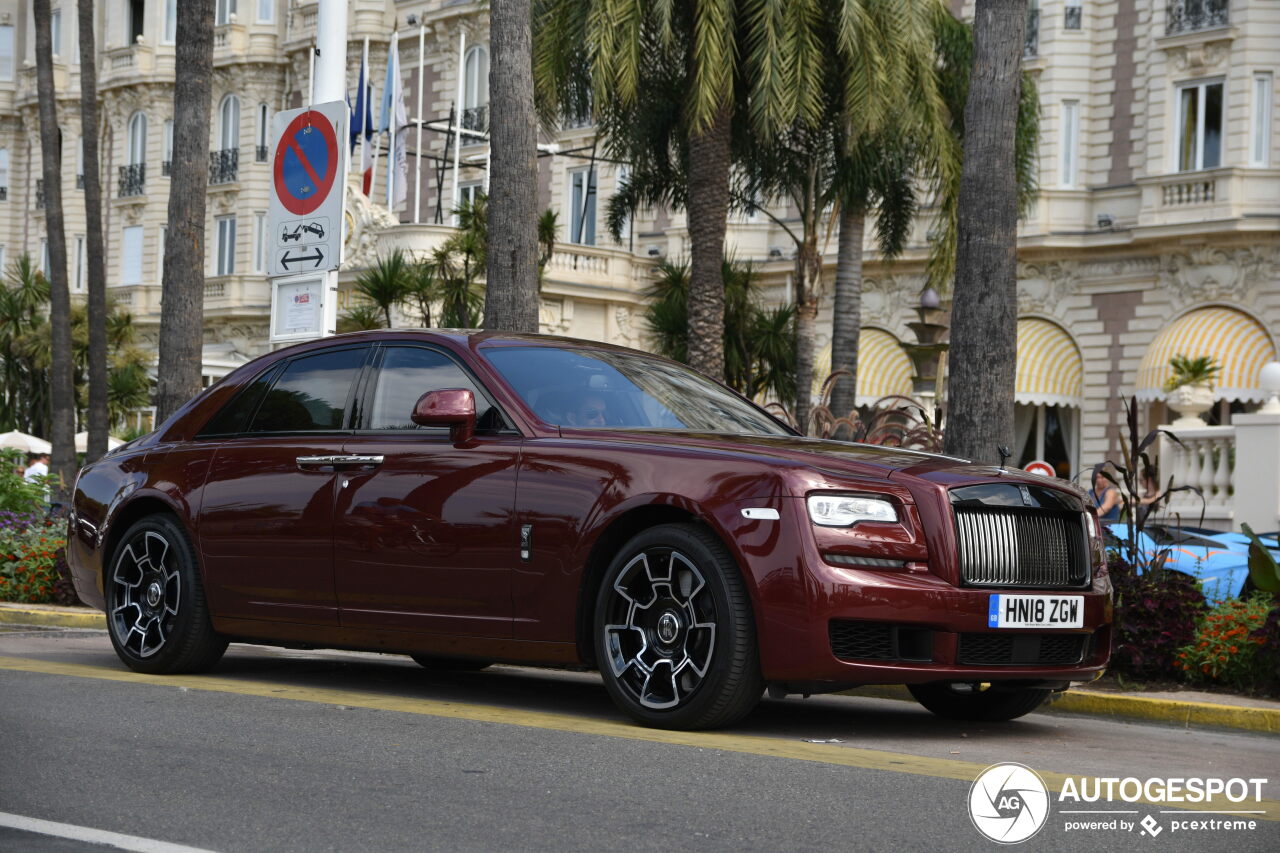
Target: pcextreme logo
[1009, 803]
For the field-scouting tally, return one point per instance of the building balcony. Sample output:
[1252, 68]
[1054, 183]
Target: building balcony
[230, 41]
[224, 166]
[1194, 198]
[477, 119]
[1185, 16]
[133, 180]
[235, 294]
[120, 63]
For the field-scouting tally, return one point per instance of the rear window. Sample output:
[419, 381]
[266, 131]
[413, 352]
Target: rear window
[232, 417]
[311, 394]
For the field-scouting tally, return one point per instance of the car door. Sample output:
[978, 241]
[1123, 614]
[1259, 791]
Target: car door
[266, 516]
[426, 540]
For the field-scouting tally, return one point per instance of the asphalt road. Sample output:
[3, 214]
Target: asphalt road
[283, 751]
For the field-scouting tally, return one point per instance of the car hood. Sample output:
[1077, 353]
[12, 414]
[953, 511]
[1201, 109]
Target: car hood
[836, 456]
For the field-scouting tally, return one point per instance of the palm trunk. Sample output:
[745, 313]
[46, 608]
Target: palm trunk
[511, 301]
[62, 384]
[97, 274]
[806, 328]
[985, 314]
[846, 325]
[182, 292]
[707, 212]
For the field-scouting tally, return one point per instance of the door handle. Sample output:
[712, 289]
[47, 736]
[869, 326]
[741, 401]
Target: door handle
[342, 461]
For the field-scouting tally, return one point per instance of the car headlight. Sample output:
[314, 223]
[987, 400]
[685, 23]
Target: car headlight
[846, 510]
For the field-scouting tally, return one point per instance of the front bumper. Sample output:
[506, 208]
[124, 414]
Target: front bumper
[934, 625]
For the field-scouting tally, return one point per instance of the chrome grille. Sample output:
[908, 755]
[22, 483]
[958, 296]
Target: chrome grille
[1010, 547]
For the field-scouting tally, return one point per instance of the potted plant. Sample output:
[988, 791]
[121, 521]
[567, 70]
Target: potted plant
[1190, 388]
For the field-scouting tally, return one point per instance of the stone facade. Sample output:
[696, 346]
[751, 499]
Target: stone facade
[1125, 236]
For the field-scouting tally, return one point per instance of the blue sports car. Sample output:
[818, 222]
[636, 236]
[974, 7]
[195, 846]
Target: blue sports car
[1220, 561]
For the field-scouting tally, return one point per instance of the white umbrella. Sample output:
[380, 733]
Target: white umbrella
[82, 442]
[21, 441]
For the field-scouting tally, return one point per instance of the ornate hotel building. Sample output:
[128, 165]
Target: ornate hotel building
[1156, 230]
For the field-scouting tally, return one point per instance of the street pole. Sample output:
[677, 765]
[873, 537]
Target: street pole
[330, 78]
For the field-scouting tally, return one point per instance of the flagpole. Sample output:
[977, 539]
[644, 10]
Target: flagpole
[377, 142]
[393, 72]
[363, 97]
[457, 126]
[417, 161]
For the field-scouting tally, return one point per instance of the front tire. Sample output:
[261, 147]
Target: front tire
[971, 702]
[674, 633]
[156, 611]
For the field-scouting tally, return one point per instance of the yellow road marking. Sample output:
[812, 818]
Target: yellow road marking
[844, 756]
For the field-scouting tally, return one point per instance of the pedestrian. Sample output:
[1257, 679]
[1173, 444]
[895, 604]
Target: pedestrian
[1105, 496]
[37, 466]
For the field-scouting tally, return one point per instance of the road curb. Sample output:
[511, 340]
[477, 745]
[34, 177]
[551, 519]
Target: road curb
[1092, 702]
[49, 616]
[1099, 704]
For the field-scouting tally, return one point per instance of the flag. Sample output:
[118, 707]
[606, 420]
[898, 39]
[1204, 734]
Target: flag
[395, 122]
[362, 126]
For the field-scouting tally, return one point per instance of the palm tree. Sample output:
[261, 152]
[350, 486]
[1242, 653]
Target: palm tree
[359, 318]
[423, 288]
[884, 174]
[671, 82]
[512, 282]
[985, 313]
[182, 293]
[758, 344]
[24, 384]
[62, 390]
[386, 283]
[98, 417]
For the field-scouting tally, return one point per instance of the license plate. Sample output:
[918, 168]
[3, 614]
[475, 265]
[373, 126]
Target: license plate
[1036, 611]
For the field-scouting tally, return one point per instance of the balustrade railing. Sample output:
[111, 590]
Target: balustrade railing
[133, 179]
[224, 166]
[1185, 16]
[1205, 459]
[475, 118]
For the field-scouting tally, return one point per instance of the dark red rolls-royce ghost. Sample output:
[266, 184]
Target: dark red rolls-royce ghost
[466, 498]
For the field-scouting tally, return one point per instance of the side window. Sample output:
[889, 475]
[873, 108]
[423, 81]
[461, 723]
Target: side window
[409, 372]
[233, 416]
[311, 393]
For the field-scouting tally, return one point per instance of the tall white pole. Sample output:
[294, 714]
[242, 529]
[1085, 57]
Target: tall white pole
[457, 119]
[329, 77]
[368, 108]
[417, 117]
[311, 77]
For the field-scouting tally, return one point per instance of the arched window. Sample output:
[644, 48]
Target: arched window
[475, 89]
[137, 139]
[229, 123]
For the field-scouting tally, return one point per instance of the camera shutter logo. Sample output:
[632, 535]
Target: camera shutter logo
[1008, 803]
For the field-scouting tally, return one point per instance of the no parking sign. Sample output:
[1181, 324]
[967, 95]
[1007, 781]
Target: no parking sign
[308, 189]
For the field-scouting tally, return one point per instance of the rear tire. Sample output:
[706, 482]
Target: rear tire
[450, 664]
[971, 703]
[157, 615]
[675, 636]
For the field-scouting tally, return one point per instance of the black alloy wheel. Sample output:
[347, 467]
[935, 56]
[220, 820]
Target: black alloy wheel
[674, 631]
[156, 611]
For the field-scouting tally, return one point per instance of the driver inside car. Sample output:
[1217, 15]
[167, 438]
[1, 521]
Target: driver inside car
[589, 411]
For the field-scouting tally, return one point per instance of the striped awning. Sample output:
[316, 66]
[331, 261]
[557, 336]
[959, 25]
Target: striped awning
[1234, 339]
[1050, 370]
[883, 368]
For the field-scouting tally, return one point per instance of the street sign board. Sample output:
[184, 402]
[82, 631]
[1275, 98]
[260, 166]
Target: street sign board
[1039, 466]
[308, 189]
[303, 307]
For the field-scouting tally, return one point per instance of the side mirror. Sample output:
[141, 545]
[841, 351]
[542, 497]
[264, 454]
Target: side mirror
[452, 407]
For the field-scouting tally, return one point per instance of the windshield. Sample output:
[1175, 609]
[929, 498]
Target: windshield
[601, 389]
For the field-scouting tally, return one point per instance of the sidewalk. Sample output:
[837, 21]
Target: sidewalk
[1182, 707]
